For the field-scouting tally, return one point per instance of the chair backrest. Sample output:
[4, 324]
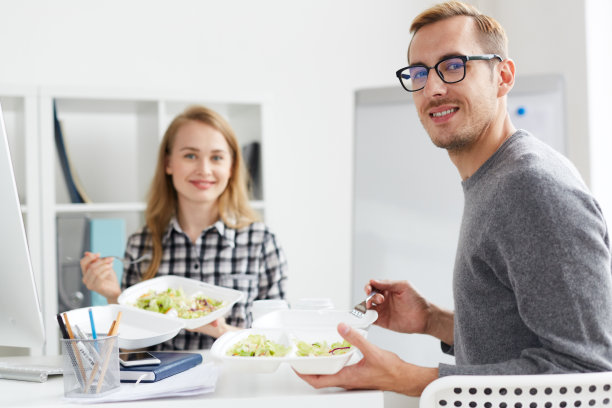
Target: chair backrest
[520, 391]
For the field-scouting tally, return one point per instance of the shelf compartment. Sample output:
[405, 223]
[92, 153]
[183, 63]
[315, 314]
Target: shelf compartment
[102, 138]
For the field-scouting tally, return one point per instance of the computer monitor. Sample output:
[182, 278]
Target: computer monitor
[21, 323]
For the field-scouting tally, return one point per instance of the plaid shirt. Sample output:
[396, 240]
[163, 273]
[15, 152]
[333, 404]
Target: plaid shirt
[248, 259]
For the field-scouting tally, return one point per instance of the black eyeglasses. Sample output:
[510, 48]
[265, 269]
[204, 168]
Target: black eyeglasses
[450, 70]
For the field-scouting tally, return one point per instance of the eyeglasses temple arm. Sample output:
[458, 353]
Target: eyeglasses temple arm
[485, 57]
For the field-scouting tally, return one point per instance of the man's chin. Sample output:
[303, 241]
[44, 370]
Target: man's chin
[452, 143]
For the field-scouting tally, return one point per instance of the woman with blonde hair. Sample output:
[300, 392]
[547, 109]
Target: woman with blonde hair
[199, 225]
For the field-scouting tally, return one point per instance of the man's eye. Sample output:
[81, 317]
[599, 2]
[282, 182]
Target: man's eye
[418, 74]
[454, 66]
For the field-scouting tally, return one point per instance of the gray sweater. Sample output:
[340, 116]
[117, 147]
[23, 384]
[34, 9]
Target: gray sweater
[532, 280]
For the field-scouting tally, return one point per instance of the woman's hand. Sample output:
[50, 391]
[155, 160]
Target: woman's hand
[99, 276]
[378, 369]
[215, 329]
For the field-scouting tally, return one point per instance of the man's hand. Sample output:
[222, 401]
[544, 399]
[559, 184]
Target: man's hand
[401, 308]
[378, 369]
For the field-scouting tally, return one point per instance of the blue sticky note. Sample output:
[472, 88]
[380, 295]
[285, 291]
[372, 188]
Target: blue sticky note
[107, 237]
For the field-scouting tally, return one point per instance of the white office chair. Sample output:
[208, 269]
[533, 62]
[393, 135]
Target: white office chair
[520, 391]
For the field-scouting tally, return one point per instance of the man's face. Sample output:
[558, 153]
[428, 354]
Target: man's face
[454, 115]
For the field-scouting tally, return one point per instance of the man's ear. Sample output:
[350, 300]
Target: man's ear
[506, 77]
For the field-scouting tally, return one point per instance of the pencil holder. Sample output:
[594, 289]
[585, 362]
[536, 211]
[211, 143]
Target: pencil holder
[91, 367]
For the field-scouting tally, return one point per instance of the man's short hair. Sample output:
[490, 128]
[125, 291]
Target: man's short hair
[492, 36]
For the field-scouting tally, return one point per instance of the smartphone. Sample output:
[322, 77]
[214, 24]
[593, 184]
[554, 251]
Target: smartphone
[138, 358]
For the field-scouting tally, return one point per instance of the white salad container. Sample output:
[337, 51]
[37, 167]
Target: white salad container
[303, 365]
[190, 287]
[248, 364]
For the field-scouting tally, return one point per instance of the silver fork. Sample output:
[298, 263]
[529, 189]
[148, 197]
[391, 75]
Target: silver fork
[360, 309]
[127, 261]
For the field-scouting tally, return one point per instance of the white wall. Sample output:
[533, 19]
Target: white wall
[599, 59]
[545, 37]
[309, 57]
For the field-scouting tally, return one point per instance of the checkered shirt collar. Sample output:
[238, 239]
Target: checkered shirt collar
[226, 233]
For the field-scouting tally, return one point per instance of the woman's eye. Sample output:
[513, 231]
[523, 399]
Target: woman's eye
[217, 158]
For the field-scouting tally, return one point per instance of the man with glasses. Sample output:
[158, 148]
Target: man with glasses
[532, 278]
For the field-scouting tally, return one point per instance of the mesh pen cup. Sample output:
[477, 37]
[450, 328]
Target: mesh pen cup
[91, 367]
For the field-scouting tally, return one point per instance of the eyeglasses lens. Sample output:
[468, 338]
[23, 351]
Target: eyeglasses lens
[451, 70]
[414, 77]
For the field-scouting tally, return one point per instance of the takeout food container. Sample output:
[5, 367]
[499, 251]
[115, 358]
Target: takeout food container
[303, 365]
[137, 328]
[190, 287]
[296, 319]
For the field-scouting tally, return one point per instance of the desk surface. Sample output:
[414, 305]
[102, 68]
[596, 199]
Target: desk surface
[282, 388]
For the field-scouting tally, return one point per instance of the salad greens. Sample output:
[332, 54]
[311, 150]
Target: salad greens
[321, 348]
[174, 301]
[257, 345]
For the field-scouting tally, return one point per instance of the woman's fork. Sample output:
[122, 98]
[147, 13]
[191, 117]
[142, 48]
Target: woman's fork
[128, 261]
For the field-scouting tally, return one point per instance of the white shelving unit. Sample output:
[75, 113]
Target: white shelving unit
[112, 137]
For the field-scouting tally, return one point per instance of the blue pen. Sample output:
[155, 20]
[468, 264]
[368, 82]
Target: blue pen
[93, 328]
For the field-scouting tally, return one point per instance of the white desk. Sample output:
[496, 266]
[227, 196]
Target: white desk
[283, 389]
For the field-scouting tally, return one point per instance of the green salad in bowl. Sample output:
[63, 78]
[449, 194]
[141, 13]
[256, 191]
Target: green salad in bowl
[174, 302]
[257, 345]
[320, 349]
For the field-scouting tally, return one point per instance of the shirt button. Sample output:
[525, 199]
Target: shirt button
[196, 266]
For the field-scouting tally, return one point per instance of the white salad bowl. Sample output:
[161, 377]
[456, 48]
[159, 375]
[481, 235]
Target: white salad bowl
[191, 288]
[302, 364]
[263, 364]
[330, 364]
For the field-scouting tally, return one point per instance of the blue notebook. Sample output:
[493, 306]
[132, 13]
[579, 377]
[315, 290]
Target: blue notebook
[107, 237]
[171, 363]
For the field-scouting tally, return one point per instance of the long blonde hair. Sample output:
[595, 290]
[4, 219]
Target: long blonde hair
[162, 202]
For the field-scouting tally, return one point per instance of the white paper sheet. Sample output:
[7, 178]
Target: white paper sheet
[200, 379]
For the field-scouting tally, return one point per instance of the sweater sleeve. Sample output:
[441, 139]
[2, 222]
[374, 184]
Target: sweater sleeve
[552, 244]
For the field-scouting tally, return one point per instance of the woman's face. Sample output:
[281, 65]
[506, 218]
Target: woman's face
[200, 163]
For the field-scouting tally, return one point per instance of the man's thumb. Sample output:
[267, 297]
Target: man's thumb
[354, 337]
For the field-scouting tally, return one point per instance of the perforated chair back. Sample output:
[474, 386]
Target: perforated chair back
[520, 391]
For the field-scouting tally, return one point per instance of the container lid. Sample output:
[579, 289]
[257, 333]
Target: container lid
[313, 304]
[137, 328]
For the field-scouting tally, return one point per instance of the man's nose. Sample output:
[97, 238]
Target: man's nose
[434, 86]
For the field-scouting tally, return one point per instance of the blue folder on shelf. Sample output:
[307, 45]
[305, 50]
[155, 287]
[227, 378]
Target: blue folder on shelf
[107, 237]
[75, 190]
[171, 363]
